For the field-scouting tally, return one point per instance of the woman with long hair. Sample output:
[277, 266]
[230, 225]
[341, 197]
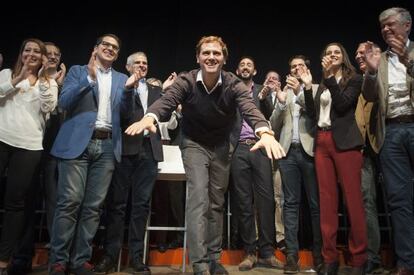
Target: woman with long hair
[27, 96]
[338, 157]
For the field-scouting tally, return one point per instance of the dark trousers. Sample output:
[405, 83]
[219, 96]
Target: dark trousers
[333, 166]
[135, 174]
[21, 165]
[253, 185]
[298, 170]
[397, 162]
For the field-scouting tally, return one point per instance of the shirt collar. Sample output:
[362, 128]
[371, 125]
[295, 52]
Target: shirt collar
[104, 71]
[200, 79]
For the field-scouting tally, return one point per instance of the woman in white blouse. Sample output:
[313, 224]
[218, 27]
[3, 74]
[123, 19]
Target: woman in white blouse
[27, 96]
[338, 158]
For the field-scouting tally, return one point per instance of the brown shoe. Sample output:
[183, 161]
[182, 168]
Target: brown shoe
[271, 262]
[248, 262]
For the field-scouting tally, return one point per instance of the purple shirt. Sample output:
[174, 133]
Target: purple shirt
[247, 131]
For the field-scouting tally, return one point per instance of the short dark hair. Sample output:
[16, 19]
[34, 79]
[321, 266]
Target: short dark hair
[100, 39]
[300, 56]
[248, 57]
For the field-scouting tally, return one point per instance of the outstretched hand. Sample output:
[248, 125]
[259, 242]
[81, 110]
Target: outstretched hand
[272, 147]
[146, 123]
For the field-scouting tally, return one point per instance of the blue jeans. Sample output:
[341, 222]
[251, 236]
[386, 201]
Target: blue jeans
[369, 195]
[297, 169]
[83, 184]
[397, 162]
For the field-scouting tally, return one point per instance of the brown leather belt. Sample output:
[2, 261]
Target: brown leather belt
[400, 119]
[325, 129]
[99, 134]
[248, 141]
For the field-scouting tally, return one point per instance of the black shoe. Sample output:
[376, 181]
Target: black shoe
[317, 263]
[19, 266]
[373, 268]
[217, 268]
[329, 269]
[105, 265]
[138, 268]
[291, 266]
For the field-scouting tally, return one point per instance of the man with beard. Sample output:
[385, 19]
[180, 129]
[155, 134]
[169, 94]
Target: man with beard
[252, 177]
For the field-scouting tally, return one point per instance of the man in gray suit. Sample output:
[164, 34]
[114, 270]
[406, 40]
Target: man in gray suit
[389, 81]
[296, 130]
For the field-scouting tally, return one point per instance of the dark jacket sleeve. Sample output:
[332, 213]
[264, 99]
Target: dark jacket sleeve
[343, 101]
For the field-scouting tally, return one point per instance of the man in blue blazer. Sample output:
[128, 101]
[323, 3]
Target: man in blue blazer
[94, 96]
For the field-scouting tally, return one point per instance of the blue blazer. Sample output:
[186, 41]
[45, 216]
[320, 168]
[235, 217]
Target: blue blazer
[80, 101]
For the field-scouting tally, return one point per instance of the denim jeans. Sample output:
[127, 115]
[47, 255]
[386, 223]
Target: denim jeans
[397, 162]
[369, 195]
[82, 187]
[298, 170]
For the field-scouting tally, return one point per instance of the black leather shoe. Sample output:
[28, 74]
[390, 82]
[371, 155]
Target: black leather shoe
[138, 268]
[105, 265]
[373, 268]
[317, 263]
[217, 268]
[19, 266]
[329, 269]
[291, 266]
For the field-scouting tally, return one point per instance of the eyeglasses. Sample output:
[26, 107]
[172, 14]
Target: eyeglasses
[106, 45]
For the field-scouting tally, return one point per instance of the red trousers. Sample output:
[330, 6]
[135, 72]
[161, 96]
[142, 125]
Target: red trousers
[333, 166]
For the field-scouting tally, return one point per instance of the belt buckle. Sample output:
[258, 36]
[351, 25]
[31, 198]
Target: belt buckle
[250, 142]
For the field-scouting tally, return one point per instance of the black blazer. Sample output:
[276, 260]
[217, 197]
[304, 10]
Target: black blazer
[344, 100]
[131, 145]
[265, 106]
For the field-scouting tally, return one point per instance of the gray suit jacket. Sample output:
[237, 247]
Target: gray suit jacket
[282, 123]
[375, 89]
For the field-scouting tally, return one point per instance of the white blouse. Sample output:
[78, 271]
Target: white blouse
[24, 110]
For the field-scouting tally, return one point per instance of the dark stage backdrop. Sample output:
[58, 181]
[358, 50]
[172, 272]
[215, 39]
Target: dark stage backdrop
[169, 30]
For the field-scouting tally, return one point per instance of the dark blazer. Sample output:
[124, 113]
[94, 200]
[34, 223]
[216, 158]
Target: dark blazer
[344, 100]
[80, 101]
[265, 106]
[133, 144]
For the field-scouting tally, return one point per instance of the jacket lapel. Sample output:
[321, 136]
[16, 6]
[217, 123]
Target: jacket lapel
[114, 87]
